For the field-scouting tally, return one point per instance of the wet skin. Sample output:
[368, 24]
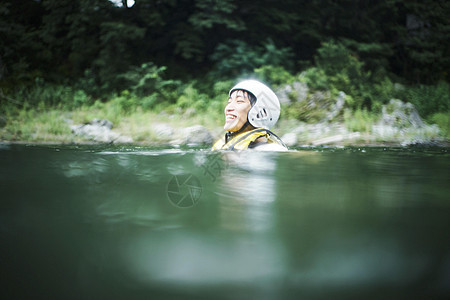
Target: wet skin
[236, 110]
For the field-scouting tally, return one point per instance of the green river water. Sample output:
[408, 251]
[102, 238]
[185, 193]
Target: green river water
[110, 222]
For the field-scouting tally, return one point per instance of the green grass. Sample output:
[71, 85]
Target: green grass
[36, 126]
[359, 120]
[45, 124]
[44, 114]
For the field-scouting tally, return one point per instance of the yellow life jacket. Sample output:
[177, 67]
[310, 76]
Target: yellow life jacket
[243, 140]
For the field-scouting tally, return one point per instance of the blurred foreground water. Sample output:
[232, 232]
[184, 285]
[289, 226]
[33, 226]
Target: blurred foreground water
[108, 222]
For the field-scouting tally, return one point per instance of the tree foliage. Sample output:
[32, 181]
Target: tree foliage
[94, 41]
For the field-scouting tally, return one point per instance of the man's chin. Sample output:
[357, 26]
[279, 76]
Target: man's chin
[229, 127]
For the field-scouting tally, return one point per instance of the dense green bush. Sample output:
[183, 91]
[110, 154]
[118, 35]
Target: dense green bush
[192, 98]
[315, 78]
[429, 99]
[50, 94]
[338, 69]
[235, 58]
[382, 91]
[275, 75]
[359, 120]
[443, 121]
[148, 79]
[302, 112]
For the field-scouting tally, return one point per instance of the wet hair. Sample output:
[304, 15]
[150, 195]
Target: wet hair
[250, 96]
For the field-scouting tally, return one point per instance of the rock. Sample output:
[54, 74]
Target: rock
[401, 115]
[336, 108]
[290, 139]
[102, 123]
[99, 130]
[163, 131]
[336, 138]
[123, 139]
[401, 121]
[323, 107]
[295, 92]
[319, 133]
[197, 135]
[190, 112]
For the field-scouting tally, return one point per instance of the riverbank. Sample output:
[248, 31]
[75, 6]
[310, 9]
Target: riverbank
[398, 125]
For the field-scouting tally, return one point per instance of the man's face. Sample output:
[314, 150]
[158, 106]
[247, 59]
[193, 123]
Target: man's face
[236, 110]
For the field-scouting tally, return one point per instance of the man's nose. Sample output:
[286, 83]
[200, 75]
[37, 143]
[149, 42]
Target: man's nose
[229, 107]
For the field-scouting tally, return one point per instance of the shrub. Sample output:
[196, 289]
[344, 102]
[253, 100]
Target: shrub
[429, 99]
[443, 121]
[147, 80]
[236, 58]
[383, 91]
[315, 78]
[337, 69]
[302, 111]
[65, 97]
[192, 98]
[359, 120]
[274, 75]
[335, 58]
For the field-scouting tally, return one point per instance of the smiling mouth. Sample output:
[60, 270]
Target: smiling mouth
[230, 118]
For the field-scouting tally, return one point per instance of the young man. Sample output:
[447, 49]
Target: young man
[252, 109]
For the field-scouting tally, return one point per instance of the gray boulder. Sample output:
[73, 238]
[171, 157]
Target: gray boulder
[401, 121]
[163, 131]
[318, 106]
[197, 135]
[102, 123]
[290, 139]
[336, 107]
[294, 92]
[99, 130]
[401, 115]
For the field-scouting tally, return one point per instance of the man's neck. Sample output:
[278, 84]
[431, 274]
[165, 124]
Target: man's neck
[230, 135]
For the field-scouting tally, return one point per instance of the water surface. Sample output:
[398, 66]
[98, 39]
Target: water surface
[115, 222]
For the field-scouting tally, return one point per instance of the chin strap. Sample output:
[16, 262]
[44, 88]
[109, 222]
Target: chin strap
[229, 135]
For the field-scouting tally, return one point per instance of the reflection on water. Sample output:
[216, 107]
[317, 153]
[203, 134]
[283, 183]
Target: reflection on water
[247, 191]
[320, 223]
[181, 259]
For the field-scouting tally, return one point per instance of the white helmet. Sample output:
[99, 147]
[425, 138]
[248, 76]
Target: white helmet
[266, 110]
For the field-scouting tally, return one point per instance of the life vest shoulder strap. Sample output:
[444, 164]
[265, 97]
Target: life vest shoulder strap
[243, 140]
[242, 143]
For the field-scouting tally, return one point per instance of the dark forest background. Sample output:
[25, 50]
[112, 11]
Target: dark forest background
[158, 47]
